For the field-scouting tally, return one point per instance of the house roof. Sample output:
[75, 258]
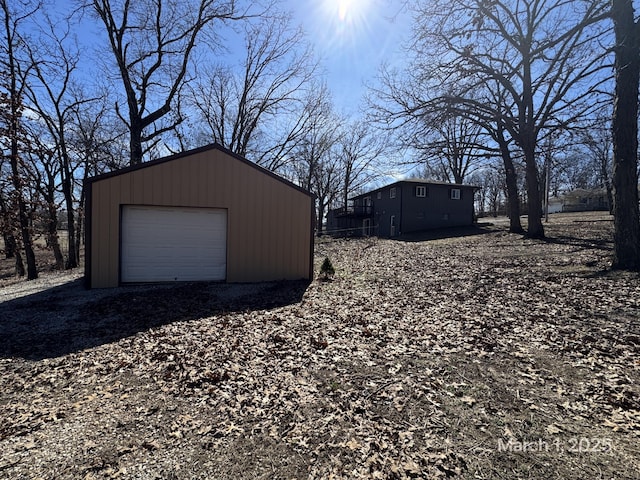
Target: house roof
[578, 193]
[585, 192]
[420, 181]
[186, 153]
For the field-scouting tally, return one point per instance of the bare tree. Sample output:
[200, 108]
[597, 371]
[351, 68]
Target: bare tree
[326, 185]
[359, 152]
[316, 166]
[243, 108]
[54, 97]
[405, 104]
[496, 129]
[597, 139]
[625, 137]
[453, 152]
[446, 142]
[152, 42]
[490, 181]
[99, 145]
[8, 221]
[14, 75]
[497, 132]
[42, 170]
[542, 54]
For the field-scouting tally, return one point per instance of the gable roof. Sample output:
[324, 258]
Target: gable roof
[186, 153]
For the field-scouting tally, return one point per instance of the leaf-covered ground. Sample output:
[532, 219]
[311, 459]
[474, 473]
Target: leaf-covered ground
[482, 356]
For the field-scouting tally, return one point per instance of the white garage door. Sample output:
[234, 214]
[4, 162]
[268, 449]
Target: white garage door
[168, 244]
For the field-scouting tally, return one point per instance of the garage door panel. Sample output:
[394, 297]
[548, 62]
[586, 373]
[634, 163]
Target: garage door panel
[163, 244]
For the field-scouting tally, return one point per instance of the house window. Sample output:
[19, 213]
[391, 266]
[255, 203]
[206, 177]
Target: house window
[421, 191]
[379, 196]
[365, 209]
[455, 194]
[392, 192]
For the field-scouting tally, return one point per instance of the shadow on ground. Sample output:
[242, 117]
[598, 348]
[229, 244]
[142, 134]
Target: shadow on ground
[581, 243]
[452, 232]
[68, 318]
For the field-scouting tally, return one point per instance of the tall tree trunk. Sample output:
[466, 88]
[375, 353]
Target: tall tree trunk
[54, 244]
[135, 143]
[48, 193]
[20, 271]
[32, 268]
[23, 216]
[81, 216]
[321, 208]
[9, 245]
[79, 225]
[535, 228]
[528, 142]
[345, 188]
[626, 254]
[52, 236]
[72, 258]
[14, 152]
[5, 223]
[607, 182]
[7, 234]
[513, 199]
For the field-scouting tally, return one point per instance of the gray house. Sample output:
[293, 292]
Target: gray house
[405, 206]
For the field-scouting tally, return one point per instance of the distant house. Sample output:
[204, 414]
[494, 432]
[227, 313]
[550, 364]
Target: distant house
[406, 206]
[580, 200]
[556, 204]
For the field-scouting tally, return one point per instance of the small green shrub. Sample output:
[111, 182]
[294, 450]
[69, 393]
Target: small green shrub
[326, 270]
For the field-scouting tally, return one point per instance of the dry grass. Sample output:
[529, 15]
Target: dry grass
[483, 356]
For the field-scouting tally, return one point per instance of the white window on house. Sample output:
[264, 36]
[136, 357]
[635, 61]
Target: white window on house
[392, 192]
[379, 196]
[455, 194]
[421, 191]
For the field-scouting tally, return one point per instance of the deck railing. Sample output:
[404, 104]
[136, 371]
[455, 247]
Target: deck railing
[354, 211]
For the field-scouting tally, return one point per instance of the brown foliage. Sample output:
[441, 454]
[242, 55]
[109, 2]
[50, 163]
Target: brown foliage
[419, 360]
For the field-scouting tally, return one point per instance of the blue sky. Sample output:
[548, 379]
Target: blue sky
[352, 39]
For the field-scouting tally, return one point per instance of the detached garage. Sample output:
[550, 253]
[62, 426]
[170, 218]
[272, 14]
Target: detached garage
[206, 214]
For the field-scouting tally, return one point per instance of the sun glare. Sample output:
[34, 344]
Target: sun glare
[347, 18]
[343, 9]
[347, 11]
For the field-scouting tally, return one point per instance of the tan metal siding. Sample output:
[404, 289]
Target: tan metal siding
[269, 222]
[100, 234]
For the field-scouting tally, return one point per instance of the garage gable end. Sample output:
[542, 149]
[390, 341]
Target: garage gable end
[206, 214]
